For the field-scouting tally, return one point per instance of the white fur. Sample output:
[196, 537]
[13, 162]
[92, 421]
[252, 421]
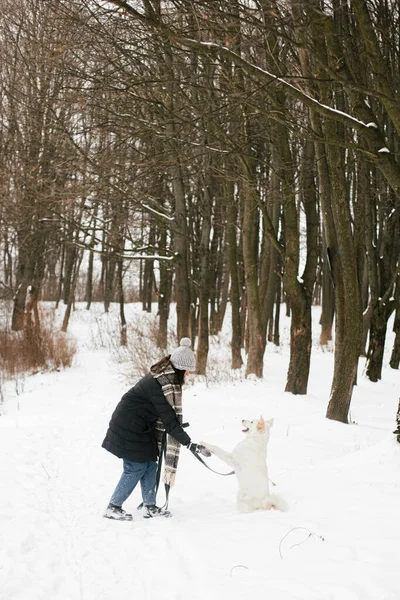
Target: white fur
[248, 459]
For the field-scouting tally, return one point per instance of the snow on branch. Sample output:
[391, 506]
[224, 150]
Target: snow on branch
[124, 254]
[250, 67]
[148, 257]
[156, 212]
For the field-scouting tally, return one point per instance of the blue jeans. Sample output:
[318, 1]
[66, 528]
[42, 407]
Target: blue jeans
[133, 473]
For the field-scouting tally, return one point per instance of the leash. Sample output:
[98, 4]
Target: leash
[163, 453]
[159, 468]
[224, 474]
[209, 468]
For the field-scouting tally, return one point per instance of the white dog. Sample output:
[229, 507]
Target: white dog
[248, 459]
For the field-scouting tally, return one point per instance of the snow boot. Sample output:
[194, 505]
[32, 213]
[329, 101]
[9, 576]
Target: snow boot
[151, 510]
[117, 513]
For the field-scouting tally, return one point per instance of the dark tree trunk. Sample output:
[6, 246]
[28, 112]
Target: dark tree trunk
[299, 292]
[148, 274]
[72, 287]
[256, 340]
[216, 270]
[268, 293]
[90, 272]
[367, 316]
[348, 314]
[337, 218]
[327, 309]
[377, 336]
[121, 300]
[89, 281]
[18, 315]
[70, 252]
[276, 337]
[110, 266]
[147, 288]
[395, 357]
[182, 275]
[32, 322]
[61, 277]
[164, 295]
[300, 348]
[236, 341]
[182, 293]
[30, 271]
[204, 289]
[224, 291]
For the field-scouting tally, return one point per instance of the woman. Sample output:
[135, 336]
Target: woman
[137, 425]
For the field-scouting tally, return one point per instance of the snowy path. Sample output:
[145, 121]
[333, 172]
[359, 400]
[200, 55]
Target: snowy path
[342, 483]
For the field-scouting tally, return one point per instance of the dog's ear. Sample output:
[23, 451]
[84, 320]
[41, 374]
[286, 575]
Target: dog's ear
[261, 424]
[270, 422]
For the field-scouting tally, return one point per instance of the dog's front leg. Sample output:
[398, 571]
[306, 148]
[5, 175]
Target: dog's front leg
[223, 455]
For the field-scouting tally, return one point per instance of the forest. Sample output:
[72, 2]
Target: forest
[207, 153]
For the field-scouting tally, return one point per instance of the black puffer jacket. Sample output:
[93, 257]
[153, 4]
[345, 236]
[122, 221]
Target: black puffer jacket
[131, 433]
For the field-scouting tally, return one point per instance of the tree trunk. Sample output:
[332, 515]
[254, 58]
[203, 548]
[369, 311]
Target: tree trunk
[30, 271]
[121, 300]
[327, 309]
[300, 292]
[61, 276]
[72, 287]
[300, 348]
[224, 290]
[236, 341]
[204, 288]
[148, 274]
[348, 324]
[395, 358]
[216, 269]
[268, 293]
[164, 295]
[367, 316]
[337, 219]
[70, 252]
[89, 281]
[182, 276]
[276, 337]
[256, 340]
[377, 336]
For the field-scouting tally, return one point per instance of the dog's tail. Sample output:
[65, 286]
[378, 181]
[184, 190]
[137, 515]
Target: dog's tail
[275, 501]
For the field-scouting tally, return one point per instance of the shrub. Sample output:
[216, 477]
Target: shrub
[43, 348]
[142, 349]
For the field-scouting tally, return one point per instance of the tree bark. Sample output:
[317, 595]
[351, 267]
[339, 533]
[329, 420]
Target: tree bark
[377, 336]
[256, 340]
[395, 357]
[300, 291]
[72, 287]
[348, 314]
[236, 340]
[121, 301]
[204, 290]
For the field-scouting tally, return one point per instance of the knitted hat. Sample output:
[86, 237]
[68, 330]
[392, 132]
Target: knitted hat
[183, 358]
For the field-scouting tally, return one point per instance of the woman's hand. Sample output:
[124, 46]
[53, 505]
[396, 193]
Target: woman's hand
[198, 449]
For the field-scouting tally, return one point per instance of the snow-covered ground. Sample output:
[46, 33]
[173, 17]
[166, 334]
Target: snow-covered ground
[339, 539]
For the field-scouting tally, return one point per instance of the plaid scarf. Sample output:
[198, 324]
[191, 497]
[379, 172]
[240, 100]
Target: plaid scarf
[166, 376]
